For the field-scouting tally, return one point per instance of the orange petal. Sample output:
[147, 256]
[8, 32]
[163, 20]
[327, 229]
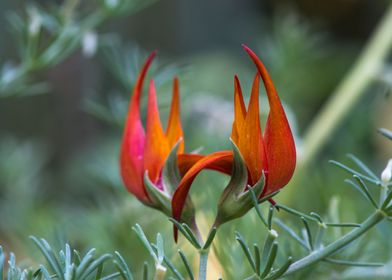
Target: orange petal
[250, 137]
[186, 161]
[156, 147]
[239, 110]
[279, 141]
[221, 161]
[174, 129]
[132, 146]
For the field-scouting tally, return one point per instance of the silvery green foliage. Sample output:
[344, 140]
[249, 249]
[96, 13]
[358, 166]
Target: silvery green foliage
[46, 37]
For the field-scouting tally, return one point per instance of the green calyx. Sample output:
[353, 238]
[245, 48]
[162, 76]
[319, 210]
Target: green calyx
[161, 198]
[236, 199]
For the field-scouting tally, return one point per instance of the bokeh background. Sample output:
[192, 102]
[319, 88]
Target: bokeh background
[61, 124]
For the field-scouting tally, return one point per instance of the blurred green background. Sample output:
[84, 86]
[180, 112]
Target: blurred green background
[60, 129]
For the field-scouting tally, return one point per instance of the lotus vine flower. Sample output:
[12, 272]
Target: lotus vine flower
[152, 160]
[145, 151]
[265, 162]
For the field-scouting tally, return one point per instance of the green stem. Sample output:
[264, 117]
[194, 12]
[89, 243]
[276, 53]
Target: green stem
[348, 92]
[203, 263]
[332, 248]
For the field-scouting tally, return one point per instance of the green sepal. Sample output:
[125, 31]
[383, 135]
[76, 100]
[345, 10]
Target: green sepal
[161, 200]
[235, 200]
[171, 178]
[171, 174]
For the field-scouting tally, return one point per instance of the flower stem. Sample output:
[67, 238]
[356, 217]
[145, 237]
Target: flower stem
[203, 263]
[321, 254]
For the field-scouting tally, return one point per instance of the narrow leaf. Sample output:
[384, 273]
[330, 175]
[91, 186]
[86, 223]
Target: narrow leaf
[308, 233]
[171, 266]
[256, 206]
[387, 133]
[292, 234]
[269, 241]
[93, 266]
[191, 235]
[160, 249]
[353, 172]
[246, 250]
[257, 259]
[342, 225]
[353, 263]
[278, 273]
[363, 166]
[139, 232]
[366, 190]
[49, 256]
[186, 264]
[111, 276]
[270, 214]
[210, 238]
[124, 266]
[145, 271]
[270, 260]
[295, 212]
[185, 233]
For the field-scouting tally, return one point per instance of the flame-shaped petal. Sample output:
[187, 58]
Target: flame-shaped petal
[239, 110]
[279, 141]
[250, 140]
[174, 129]
[132, 147]
[157, 145]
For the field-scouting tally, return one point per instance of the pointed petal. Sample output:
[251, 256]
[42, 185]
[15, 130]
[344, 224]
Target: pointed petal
[132, 146]
[279, 141]
[239, 110]
[221, 161]
[156, 147]
[174, 129]
[250, 141]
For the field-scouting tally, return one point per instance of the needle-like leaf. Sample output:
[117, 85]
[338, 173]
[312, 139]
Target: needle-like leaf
[365, 189]
[186, 264]
[292, 233]
[139, 232]
[257, 259]
[210, 238]
[353, 263]
[363, 166]
[308, 233]
[124, 266]
[256, 206]
[246, 250]
[145, 271]
[279, 272]
[387, 133]
[270, 260]
[353, 172]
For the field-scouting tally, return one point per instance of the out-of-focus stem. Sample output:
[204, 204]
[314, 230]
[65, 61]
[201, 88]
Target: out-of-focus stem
[348, 92]
[203, 264]
[321, 254]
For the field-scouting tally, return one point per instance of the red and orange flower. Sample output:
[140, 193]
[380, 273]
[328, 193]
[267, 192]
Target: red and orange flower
[155, 169]
[272, 153]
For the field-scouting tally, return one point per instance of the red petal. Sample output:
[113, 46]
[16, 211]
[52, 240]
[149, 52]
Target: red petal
[132, 146]
[174, 128]
[221, 161]
[156, 147]
[279, 141]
